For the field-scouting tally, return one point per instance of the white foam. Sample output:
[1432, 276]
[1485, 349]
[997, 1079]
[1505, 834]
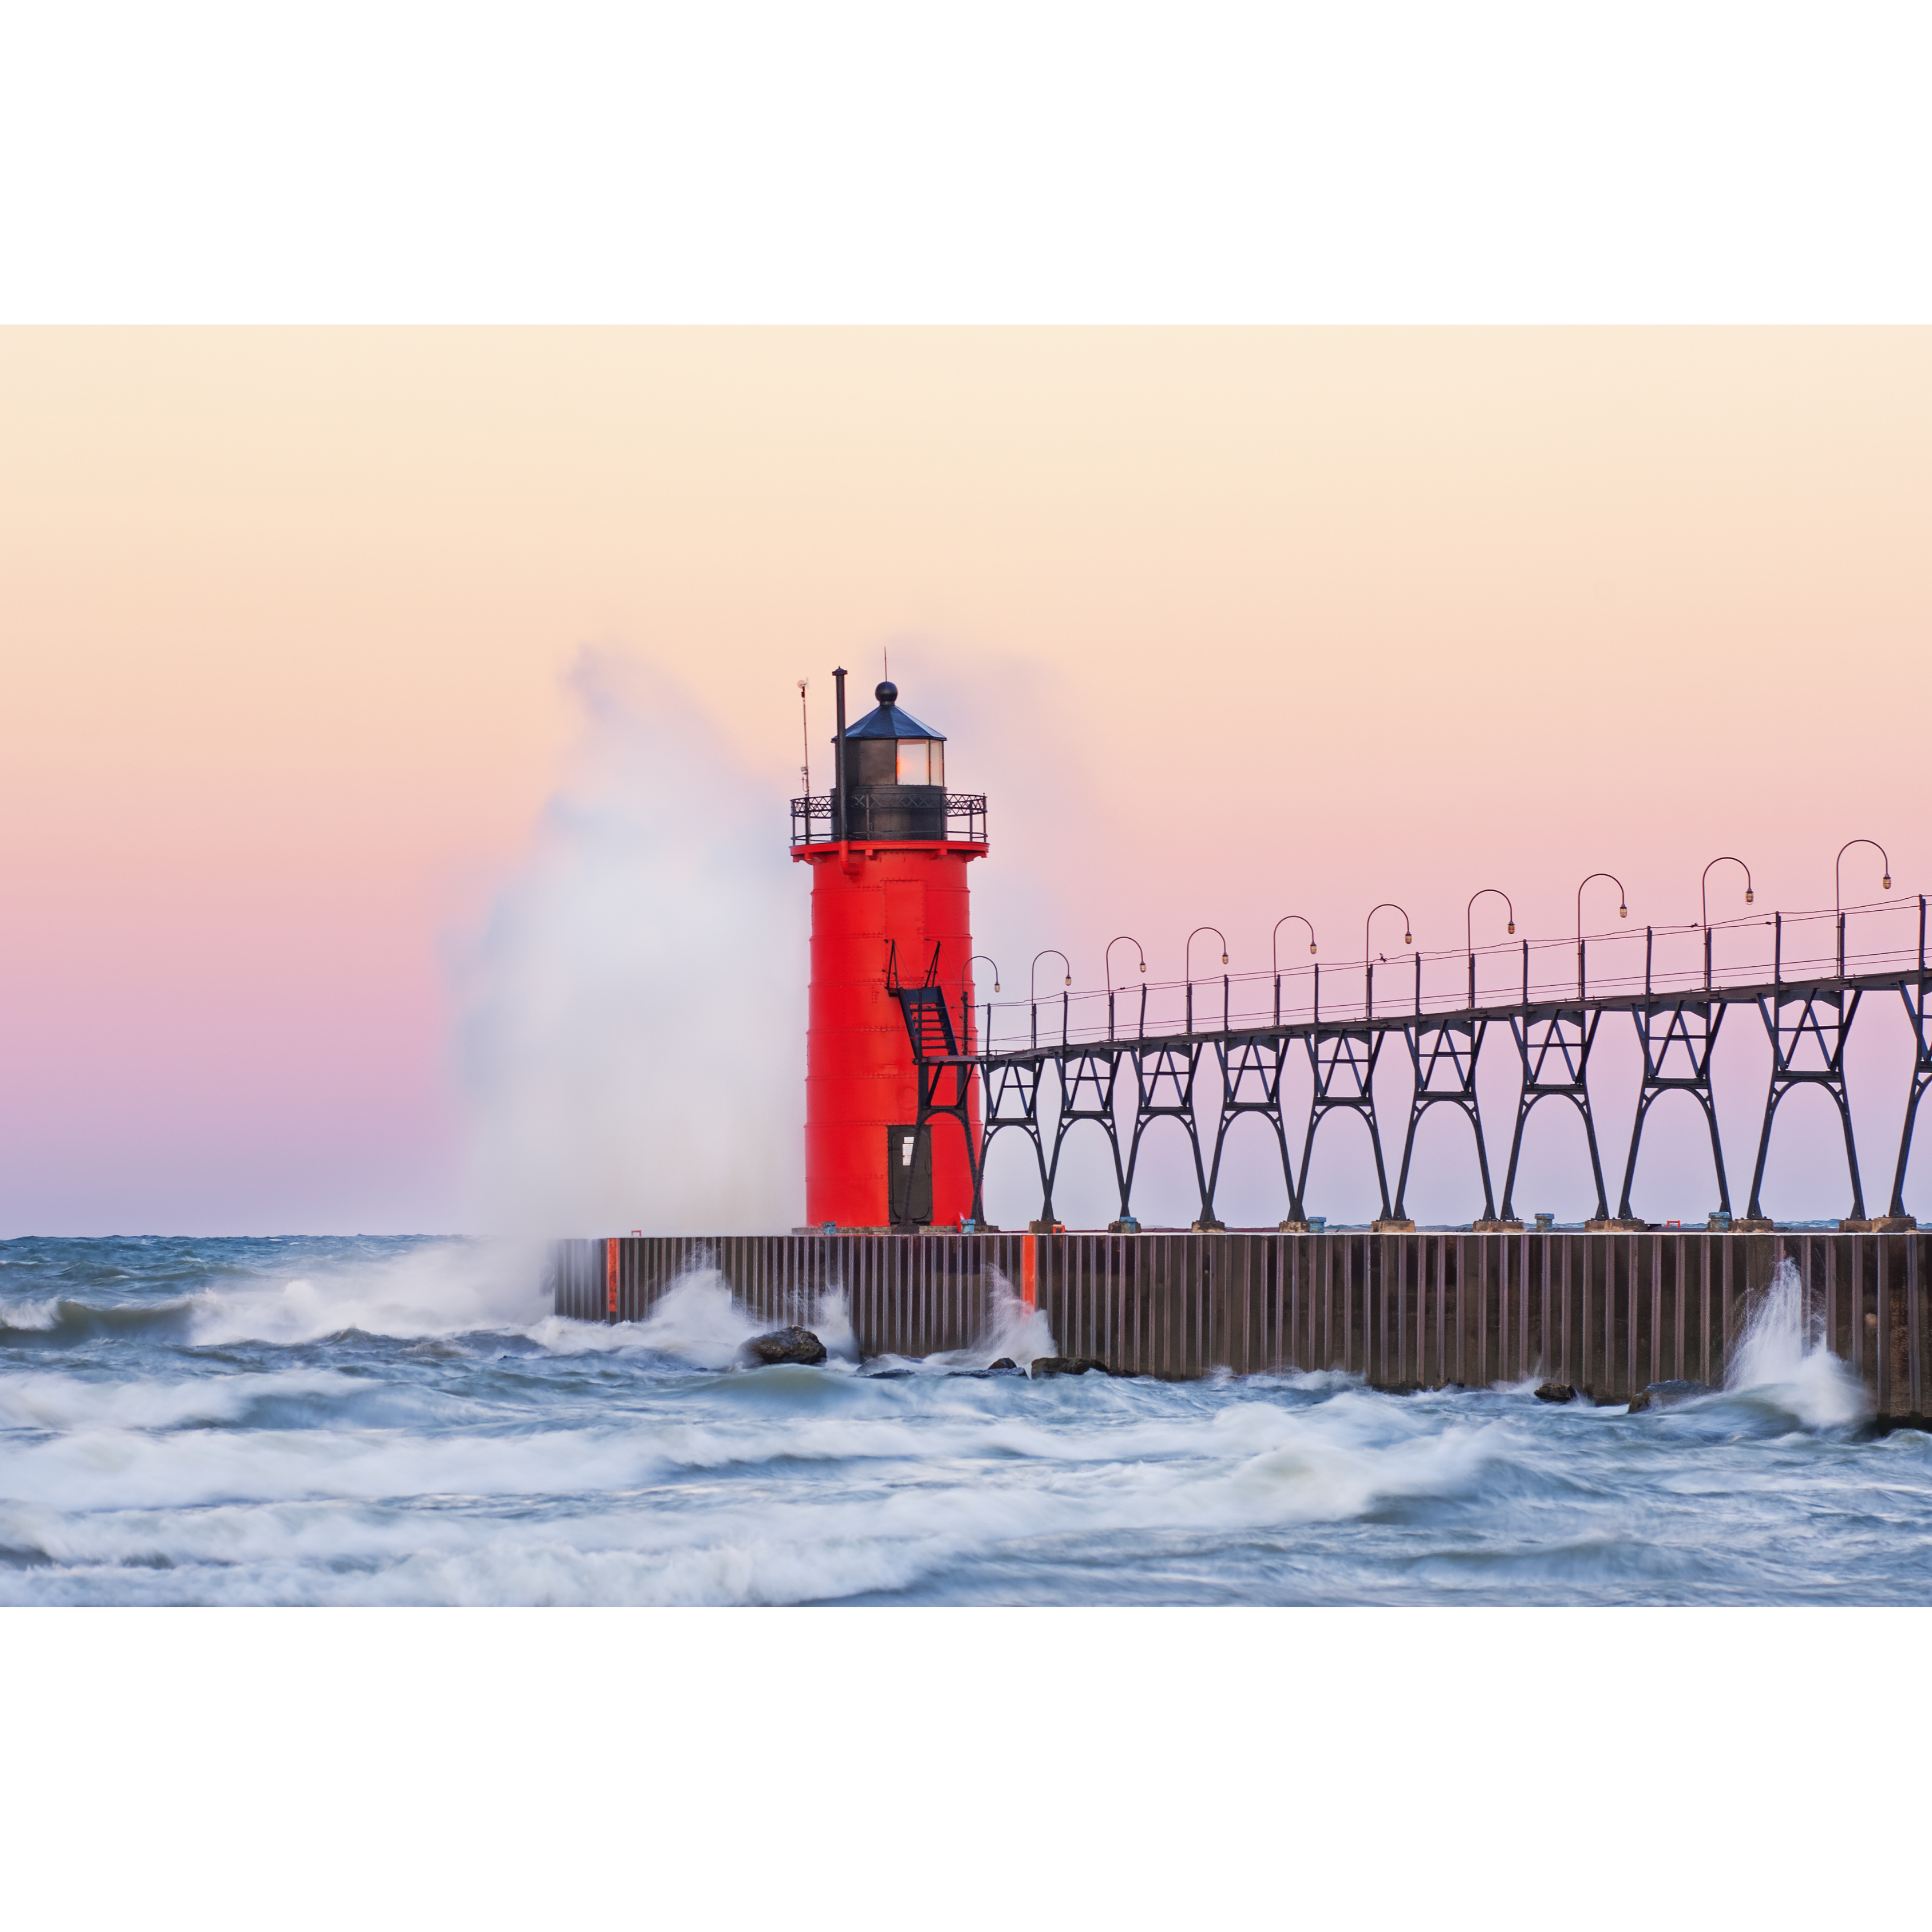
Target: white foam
[30, 1317]
[916, 1476]
[444, 1287]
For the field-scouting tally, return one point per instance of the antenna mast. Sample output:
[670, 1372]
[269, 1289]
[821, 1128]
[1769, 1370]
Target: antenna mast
[805, 728]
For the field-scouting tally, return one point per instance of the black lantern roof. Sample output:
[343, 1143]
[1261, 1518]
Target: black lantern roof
[890, 721]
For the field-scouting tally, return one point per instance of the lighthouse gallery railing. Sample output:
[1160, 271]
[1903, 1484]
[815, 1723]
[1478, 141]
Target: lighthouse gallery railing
[963, 814]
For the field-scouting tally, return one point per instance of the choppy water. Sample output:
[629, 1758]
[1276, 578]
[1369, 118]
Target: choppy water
[366, 1421]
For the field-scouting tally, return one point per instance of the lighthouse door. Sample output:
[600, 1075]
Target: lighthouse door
[909, 1176]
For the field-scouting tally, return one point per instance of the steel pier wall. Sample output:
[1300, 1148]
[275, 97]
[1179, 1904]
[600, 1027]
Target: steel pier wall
[1606, 1313]
[906, 1295]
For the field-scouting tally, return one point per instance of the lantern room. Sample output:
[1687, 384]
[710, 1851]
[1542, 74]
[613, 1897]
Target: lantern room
[894, 779]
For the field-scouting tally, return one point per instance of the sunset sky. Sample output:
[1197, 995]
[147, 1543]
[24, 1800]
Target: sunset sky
[1228, 623]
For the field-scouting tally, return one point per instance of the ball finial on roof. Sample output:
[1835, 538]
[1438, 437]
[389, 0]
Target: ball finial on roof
[887, 693]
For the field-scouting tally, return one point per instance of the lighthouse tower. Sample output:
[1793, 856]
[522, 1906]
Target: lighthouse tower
[888, 850]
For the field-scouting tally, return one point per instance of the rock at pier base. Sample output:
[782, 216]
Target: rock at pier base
[1044, 1365]
[1556, 1392]
[785, 1345]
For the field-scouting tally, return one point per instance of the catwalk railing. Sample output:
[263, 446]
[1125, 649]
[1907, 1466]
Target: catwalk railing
[1606, 1313]
[1206, 1053]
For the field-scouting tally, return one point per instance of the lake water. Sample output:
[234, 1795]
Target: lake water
[363, 1421]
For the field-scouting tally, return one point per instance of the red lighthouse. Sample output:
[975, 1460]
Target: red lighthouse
[888, 849]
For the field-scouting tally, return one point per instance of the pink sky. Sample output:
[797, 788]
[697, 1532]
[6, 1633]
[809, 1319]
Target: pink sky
[1228, 623]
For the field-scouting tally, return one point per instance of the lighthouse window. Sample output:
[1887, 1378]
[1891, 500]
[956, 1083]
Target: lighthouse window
[922, 762]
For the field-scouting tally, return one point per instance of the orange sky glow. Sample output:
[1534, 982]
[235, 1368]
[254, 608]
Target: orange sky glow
[1228, 623]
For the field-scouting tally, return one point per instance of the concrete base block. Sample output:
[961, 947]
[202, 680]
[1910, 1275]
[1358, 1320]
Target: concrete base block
[1391, 1227]
[1495, 1227]
[1615, 1227]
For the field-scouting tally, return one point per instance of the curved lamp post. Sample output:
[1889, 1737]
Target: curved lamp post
[1033, 990]
[1704, 888]
[1046, 953]
[1623, 912]
[1107, 969]
[1274, 954]
[1140, 952]
[988, 1036]
[1469, 929]
[1837, 890]
[1704, 909]
[1368, 965]
[1274, 937]
[1187, 963]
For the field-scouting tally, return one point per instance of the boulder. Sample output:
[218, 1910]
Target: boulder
[785, 1345]
[1005, 1366]
[1556, 1392]
[1044, 1365]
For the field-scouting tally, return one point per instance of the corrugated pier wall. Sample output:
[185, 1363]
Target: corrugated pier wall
[1606, 1313]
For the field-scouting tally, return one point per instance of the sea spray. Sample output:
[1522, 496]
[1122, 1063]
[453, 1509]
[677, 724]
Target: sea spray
[428, 1288]
[1013, 1330]
[832, 1323]
[633, 1014]
[1781, 1358]
[698, 1320]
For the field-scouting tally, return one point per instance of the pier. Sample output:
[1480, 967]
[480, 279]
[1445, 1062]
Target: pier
[1607, 1313]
